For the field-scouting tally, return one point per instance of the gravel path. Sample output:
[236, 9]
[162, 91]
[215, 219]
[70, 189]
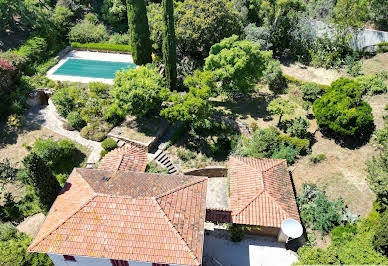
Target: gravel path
[46, 116]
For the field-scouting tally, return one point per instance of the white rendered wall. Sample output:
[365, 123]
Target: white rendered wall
[58, 260]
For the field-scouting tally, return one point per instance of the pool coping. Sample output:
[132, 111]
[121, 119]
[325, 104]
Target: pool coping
[88, 55]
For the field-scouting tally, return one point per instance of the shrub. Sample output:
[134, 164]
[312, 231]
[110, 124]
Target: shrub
[92, 132]
[64, 102]
[101, 47]
[281, 107]
[317, 211]
[258, 34]
[285, 152]
[373, 84]
[186, 155]
[236, 231]
[301, 145]
[88, 31]
[311, 256]
[137, 91]
[113, 115]
[7, 172]
[237, 65]
[75, 120]
[353, 65]
[117, 38]
[381, 237]
[342, 110]
[153, 167]
[382, 136]
[34, 50]
[298, 127]
[310, 91]
[273, 75]
[377, 177]
[109, 144]
[316, 158]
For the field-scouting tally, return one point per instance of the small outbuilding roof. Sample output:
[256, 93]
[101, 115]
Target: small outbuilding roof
[261, 192]
[126, 215]
[126, 158]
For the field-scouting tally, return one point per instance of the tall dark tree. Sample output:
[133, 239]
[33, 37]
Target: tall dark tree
[139, 32]
[169, 44]
[39, 175]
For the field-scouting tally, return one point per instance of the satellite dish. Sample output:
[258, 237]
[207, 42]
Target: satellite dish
[290, 228]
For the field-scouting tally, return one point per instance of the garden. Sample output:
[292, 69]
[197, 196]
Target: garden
[236, 77]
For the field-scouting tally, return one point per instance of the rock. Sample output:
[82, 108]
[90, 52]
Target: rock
[31, 224]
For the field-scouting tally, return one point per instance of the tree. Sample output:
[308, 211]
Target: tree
[13, 249]
[377, 177]
[192, 107]
[273, 75]
[380, 13]
[281, 107]
[201, 24]
[137, 91]
[169, 45]
[342, 110]
[115, 13]
[298, 127]
[139, 32]
[381, 236]
[39, 175]
[237, 65]
[351, 13]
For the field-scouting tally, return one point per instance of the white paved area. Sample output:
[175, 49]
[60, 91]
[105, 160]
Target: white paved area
[100, 56]
[46, 116]
[217, 193]
[252, 251]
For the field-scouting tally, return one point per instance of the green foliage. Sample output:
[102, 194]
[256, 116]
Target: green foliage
[311, 91]
[236, 231]
[273, 75]
[381, 237]
[316, 158]
[113, 114]
[201, 24]
[102, 47]
[61, 156]
[114, 12]
[94, 131]
[153, 167]
[64, 102]
[311, 256]
[351, 13]
[75, 120]
[63, 19]
[88, 31]
[109, 144]
[373, 84]
[169, 44]
[258, 34]
[285, 152]
[377, 176]
[342, 109]
[237, 65]
[139, 32]
[382, 136]
[122, 39]
[281, 107]
[192, 107]
[7, 172]
[317, 211]
[379, 9]
[39, 175]
[155, 20]
[298, 127]
[13, 249]
[137, 91]
[353, 65]
[185, 155]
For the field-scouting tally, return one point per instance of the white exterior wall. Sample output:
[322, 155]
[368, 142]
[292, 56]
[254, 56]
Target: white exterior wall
[58, 260]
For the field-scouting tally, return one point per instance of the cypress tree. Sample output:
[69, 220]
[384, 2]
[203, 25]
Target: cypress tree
[169, 45]
[139, 32]
[39, 175]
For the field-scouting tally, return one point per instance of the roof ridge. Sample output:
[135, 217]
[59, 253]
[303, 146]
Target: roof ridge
[252, 167]
[62, 222]
[198, 180]
[270, 168]
[277, 204]
[249, 203]
[194, 257]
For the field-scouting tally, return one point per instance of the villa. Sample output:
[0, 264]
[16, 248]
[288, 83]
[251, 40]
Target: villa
[119, 215]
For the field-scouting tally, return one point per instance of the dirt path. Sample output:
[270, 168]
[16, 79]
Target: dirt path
[47, 117]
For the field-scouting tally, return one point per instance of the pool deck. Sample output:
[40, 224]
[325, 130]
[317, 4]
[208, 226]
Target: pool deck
[100, 56]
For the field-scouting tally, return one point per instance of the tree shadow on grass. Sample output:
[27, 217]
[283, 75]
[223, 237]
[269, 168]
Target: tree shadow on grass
[350, 142]
[10, 136]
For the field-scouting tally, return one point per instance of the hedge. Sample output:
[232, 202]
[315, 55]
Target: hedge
[301, 145]
[102, 47]
[300, 82]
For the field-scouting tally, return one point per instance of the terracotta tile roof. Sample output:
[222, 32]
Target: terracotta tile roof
[128, 157]
[127, 216]
[261, 192]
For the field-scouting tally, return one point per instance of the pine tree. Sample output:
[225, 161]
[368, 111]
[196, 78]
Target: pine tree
[139, 32]
[39, 176]
[169, 44]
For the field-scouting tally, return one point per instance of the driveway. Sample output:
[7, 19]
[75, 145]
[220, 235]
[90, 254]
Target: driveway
[252, 251]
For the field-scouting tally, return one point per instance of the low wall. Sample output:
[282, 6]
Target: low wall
[212, 171]
[218, 216]
[265, 231]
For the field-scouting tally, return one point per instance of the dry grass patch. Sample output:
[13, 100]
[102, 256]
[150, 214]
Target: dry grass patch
[375, 64]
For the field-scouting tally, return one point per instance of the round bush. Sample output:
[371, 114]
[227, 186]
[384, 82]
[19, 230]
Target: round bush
[75, 120]
[109, 144]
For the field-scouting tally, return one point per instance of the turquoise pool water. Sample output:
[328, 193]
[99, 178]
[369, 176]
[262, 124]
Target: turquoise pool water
[91, 68]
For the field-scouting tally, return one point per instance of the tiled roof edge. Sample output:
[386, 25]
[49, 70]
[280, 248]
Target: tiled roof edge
[249, 203]
[61, 223]
[198, 180]
[194, 257]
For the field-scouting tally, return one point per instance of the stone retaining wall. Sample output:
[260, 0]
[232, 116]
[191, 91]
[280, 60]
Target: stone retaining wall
[212, 171]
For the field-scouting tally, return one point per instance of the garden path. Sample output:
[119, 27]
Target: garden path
[47, 116]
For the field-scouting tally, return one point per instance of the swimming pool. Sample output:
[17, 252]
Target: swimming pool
[91, 68]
